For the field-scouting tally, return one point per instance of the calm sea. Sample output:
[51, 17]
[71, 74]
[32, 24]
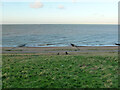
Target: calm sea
[49, 35]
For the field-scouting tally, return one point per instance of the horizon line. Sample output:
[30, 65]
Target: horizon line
[58, 23]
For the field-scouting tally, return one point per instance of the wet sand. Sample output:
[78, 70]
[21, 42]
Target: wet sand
[83, 50]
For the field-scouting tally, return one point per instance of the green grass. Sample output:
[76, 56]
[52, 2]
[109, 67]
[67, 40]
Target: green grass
[40, 71]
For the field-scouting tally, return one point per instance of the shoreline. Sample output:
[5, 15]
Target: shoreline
[59, 46]
[61, 50]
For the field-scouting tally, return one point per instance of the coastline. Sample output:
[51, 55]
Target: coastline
[61, 50]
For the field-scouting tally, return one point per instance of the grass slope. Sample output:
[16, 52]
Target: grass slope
[52, 71]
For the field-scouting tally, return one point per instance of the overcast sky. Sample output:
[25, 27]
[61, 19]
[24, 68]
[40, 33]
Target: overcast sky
[60, 12]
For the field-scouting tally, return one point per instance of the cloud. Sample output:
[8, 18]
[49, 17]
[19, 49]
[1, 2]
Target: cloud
[61, 7]
[36, 4]
[74, 1]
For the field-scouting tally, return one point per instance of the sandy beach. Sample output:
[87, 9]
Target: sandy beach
[94, 50]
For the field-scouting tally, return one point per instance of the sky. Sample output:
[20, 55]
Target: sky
[59, 12]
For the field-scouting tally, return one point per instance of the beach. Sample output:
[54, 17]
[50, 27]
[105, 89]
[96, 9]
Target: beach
[69, 44]
[44, 58]
[81, 50]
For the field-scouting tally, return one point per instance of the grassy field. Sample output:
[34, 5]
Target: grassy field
[60, 71]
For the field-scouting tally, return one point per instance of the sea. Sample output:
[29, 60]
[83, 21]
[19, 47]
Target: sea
[59, 35]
